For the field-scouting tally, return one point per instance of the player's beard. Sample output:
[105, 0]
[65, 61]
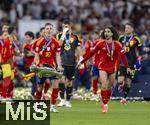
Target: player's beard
[128, 32]
[48, 35]
[107, 37]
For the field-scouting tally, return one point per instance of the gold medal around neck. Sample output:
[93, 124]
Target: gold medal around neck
[127, 49]
[111, 54]
[131, 43]
[67, 47]
[108, 54]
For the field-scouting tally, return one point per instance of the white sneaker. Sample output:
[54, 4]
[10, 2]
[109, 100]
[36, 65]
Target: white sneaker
[10, 100]
[3, 100]
[67, 104]
[94, 97]
[76, 96]
[53, 109]
[87, 96]
[62, 103]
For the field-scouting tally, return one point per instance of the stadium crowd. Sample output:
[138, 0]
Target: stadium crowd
[87, 15]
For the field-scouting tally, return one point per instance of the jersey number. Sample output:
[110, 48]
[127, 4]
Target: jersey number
[48, 54]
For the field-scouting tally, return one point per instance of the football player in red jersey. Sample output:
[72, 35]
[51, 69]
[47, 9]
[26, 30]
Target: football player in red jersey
[47, 54]
[111, 52]
[29, 57]
[9, 49]
[2, 36]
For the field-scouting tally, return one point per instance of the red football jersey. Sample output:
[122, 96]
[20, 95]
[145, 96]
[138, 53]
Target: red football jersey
[106, 62]
[29, 57]
[8, 49]
[47, 51]
[86, 46]
[96, 56]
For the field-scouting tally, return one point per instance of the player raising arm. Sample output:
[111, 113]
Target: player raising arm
[111, 52]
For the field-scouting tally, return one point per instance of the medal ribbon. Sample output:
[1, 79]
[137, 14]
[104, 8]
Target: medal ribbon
[14, 43]
[83, 44]
[1, 42]
[47, 43]
[110, 52]
[67, 39]
[125, 40]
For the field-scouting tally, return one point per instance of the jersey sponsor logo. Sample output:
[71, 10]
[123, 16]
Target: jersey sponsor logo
[53, 46]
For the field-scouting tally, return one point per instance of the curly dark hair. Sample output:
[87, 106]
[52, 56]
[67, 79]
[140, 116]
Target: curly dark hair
[113, 30]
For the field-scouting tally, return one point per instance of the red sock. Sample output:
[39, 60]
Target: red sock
[6, 84]
[104, 95]
[95, 86]
[46, 86]
[10, 90]
[54, 96]
[38, 93]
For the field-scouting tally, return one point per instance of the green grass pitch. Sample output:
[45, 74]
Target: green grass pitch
[89, 113]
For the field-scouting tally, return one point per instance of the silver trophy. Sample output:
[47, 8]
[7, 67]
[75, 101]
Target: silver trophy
[45, 71]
